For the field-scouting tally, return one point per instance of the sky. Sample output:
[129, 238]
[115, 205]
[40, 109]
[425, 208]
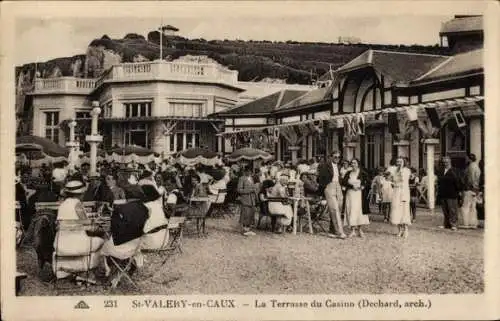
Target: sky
[42, 39]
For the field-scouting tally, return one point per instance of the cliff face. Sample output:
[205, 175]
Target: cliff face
[291, 61]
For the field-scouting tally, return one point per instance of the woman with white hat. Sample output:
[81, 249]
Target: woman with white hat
[74, 246]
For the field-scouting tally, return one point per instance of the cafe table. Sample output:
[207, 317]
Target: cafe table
[296, 201]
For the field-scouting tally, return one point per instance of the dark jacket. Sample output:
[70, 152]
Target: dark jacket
[449, 185]
[127, 221]
[325, 175]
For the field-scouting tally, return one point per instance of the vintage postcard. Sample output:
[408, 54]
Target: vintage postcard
[280, 160]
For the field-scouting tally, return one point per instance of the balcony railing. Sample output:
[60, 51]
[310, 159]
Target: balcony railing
[65, 85]
[155, 70]
[176, 71]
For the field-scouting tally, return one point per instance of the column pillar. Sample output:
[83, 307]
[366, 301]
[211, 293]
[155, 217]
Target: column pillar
[159, 139]
[309, 147]
[294, 150]
[193, 140]
[175, 143]
[184, 141]
[349, 150]
[94, 138]
[475, 142]
[167, 148]
[403, 148]
[73, 146]
[430, 145]
[387, 141]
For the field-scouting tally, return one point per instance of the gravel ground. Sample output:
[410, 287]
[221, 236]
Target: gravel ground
[429, 261]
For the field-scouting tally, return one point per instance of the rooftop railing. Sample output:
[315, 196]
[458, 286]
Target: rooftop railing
[153, 70]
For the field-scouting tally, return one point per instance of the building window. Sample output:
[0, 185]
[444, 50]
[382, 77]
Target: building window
[185, 109]
[137, 134]
[187, 135]
[139, 109]
[108, 110]
[52, 126]
[82, 114]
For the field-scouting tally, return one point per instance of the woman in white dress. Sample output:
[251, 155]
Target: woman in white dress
[72, 246]
[400, 203]
[355, 181]
[157, 218]
[284, 210]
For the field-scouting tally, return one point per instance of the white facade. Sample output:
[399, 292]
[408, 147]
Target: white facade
[160, 105]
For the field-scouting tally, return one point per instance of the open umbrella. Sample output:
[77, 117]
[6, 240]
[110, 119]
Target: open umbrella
[249, 154]
[128, 153]
[40, 150]
[195, 156]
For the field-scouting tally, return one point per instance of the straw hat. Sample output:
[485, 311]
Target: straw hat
[75, 187]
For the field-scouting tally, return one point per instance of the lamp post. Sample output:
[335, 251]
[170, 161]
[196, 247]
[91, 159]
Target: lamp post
[94, 138]
[73, 146]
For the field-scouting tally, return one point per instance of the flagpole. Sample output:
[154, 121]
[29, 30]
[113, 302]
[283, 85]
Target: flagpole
[161, 39]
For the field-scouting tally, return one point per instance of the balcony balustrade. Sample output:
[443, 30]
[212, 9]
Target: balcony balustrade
[129, 72]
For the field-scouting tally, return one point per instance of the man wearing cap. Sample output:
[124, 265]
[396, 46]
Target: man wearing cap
[329, 185]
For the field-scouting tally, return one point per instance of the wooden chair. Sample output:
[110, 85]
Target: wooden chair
[198, 213]
[218, 205]
[321, 215]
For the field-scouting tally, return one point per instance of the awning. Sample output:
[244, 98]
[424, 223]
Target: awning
[440, 104]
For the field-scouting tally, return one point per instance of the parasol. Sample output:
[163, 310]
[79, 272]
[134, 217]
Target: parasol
[40, 150]
[195, 156]
[249, 154]
[127, 154]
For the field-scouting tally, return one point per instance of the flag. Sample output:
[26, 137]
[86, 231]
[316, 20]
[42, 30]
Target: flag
[318, 126]
[393, 123]
[276, 134]
[411, 113]
[347, 126]
[459, 118]
[433, 115]
[339, 122]
[361, 124]
[354, 125]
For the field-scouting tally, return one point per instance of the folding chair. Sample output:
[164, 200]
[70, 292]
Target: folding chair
[320, 214]
[218, 205]
[198, 212]
[126, 270]
[63, 226]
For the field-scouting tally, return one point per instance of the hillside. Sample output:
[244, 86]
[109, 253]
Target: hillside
[254, 60]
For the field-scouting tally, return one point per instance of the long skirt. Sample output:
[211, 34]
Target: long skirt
[400, 208]
[467, 214]
[354, 209]
[247, 215]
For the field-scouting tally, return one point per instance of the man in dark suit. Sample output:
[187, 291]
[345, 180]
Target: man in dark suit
[449, 189]
[329, 185]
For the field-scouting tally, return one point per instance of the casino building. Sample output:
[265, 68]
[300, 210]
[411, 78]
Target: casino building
[376, 86]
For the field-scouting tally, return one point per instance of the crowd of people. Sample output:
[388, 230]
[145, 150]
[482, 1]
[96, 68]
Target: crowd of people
[141, 196]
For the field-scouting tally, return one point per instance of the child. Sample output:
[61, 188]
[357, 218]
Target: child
[376, 186]
[385, 192]
[414, 183]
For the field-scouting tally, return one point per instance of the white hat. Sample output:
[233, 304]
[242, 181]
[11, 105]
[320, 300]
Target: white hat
[75, 187]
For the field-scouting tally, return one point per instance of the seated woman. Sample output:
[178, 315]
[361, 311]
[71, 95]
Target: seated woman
[117, 192]
[153, 202]
[264, 191]
[73, 246]
[127, 227]
[282, 209]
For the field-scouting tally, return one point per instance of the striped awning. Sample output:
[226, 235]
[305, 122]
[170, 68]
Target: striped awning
[464, 102]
